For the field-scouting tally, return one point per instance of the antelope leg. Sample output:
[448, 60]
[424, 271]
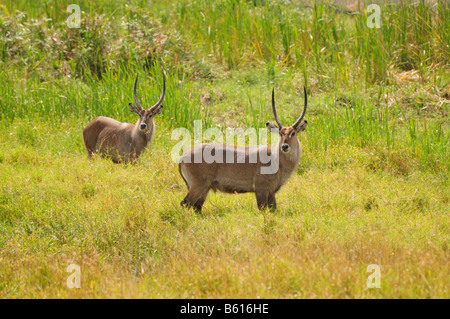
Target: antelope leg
[262, 198]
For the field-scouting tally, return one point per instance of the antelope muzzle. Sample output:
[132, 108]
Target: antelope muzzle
[285, 148]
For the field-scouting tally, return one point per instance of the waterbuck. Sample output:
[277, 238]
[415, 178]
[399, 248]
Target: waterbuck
[123, 142]
[270, 168]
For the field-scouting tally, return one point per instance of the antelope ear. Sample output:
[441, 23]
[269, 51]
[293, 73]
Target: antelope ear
[134, 109]
[158, 110]
[272, 127]
[302, 126]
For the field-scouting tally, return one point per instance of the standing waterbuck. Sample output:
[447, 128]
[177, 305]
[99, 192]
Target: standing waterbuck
[123, 142]
[259, 169]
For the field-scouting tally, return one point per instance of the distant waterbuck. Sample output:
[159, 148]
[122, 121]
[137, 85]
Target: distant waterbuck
[123, 142]
[259, 169]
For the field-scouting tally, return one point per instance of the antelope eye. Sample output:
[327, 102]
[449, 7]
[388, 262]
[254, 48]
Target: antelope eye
[293, 134]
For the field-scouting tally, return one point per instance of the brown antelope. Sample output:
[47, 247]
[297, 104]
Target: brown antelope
[245, 176]
[123, 142]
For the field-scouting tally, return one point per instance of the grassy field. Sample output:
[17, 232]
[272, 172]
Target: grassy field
[372, 186]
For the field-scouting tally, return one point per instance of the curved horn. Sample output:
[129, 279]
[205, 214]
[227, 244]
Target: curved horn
[136, 100]
[303, 113]
[162, 94]
[274, 110]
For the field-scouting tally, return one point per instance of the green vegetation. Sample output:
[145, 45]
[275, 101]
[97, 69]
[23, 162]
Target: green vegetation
[372, 186]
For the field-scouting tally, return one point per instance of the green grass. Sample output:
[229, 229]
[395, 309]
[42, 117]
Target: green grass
[371, 188]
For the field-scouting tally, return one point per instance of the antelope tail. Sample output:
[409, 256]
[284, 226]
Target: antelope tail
[181, 173]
